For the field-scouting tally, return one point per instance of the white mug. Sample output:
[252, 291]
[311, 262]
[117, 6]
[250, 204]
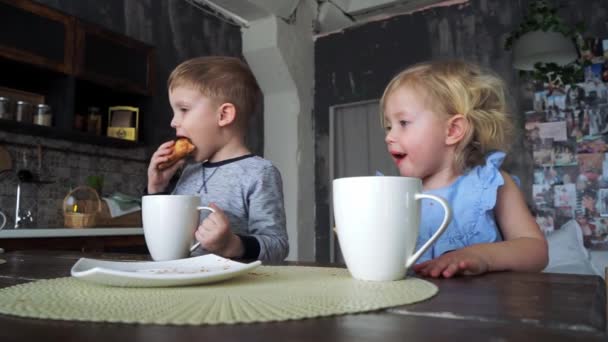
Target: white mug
[377, 222]
[169, 224]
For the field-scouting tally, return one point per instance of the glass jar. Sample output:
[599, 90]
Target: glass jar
[79, 122]
[5, 108]
[23, 112]
[94, 121]
[43, 115]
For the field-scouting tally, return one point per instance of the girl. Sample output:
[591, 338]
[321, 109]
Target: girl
[446, 123]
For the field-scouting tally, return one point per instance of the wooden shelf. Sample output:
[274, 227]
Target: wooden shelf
[57, 133]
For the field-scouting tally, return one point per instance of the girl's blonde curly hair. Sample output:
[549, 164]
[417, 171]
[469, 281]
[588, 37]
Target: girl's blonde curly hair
[458, 87]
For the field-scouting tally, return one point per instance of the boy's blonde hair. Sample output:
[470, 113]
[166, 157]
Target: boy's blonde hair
[457, 87]
[221, 78]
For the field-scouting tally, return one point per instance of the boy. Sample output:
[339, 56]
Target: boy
[211, 99]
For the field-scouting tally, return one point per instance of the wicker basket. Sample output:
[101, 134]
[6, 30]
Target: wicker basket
[83, 212]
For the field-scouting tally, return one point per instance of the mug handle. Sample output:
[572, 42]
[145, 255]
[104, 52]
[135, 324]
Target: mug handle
[4, 220]
[195, 246]
[447, 217]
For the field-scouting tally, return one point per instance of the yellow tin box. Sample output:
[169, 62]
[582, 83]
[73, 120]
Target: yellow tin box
[123, 122]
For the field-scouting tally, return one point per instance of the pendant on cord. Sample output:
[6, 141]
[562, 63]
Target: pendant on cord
[205, 179]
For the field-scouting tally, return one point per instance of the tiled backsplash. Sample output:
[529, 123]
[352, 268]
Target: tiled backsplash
[67, 164]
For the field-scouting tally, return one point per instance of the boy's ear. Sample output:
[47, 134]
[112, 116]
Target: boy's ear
[457, 128]
[226, 114]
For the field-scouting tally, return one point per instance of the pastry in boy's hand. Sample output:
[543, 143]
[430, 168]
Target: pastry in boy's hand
[181, 149]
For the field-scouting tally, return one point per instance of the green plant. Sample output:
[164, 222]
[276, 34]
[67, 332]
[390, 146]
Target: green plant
[542, 17]
[556, 75]
[95, 182]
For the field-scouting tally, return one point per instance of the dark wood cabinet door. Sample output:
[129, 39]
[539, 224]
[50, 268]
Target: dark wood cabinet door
[36, 34]
[119, 243]
[113, 60]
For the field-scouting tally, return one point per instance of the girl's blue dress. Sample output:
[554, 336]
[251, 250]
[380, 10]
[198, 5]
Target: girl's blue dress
[472, 198]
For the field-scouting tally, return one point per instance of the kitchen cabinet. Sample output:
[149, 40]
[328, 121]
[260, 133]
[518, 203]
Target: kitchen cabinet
[109, 244]
[21, 25]
[128, 240]
[72, 65]
[113, 60]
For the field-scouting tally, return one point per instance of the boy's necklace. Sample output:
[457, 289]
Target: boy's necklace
[206, 180]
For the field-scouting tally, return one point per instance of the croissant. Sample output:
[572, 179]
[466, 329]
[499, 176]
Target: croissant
[181, 149]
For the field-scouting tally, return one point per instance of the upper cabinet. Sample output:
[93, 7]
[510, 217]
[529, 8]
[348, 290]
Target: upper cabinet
[22, 21]
[114, 60]
[72, 66]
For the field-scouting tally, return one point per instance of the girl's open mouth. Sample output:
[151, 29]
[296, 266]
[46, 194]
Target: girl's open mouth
[398, 157]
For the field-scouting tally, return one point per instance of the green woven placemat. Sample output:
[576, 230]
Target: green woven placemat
[268, 293]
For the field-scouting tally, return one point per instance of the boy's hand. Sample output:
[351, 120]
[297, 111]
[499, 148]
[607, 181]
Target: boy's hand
[215, 235]
[158, 180]
[462, 261]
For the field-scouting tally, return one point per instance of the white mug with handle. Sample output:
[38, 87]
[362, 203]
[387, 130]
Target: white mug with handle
[169, 224]
[377, 223]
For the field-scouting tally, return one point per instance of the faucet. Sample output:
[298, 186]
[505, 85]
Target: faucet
[21, 218]
[23, 176]
[26, 216]
[17, 217]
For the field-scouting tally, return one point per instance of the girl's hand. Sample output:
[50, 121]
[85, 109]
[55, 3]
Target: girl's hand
[462, 261]
[215, 235]
[158, 180]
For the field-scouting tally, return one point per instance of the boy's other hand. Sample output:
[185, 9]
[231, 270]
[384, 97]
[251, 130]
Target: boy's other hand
[215, 235]
[158, 180]
[458, 262]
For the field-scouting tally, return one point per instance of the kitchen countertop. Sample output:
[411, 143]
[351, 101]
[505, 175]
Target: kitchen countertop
[21, 233]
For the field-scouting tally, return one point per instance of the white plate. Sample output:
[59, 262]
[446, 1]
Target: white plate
[198, 270]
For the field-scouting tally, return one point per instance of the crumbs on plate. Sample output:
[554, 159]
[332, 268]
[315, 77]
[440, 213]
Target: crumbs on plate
[178, 270]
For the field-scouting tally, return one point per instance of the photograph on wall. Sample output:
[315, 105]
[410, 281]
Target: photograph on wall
[590, 165]
[543, 153]
[594, 72]
[540, 101]
[545, 220]
[543, 195]
[532, 132]
[563, 215]
[603, 199]
[555, 103]
[564, 153]
[567, 132]
[564, 195]
[567, 174]
[553, 130]
[592, 144]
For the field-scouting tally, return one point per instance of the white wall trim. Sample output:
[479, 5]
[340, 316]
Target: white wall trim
[281, 56]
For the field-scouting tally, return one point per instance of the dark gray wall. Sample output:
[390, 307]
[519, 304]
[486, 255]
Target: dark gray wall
[178, 31]
[356, 65]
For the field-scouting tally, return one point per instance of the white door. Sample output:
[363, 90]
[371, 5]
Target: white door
[357, 148]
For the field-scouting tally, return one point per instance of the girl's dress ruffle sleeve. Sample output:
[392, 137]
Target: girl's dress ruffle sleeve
[484, 227]
[491, 179]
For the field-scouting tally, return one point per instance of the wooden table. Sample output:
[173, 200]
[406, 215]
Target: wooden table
[497, 306]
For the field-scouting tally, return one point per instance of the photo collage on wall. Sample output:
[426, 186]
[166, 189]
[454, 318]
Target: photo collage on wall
[568, 134]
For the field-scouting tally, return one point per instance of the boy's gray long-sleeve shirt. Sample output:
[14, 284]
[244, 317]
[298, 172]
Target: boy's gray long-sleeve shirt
[249, 190]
